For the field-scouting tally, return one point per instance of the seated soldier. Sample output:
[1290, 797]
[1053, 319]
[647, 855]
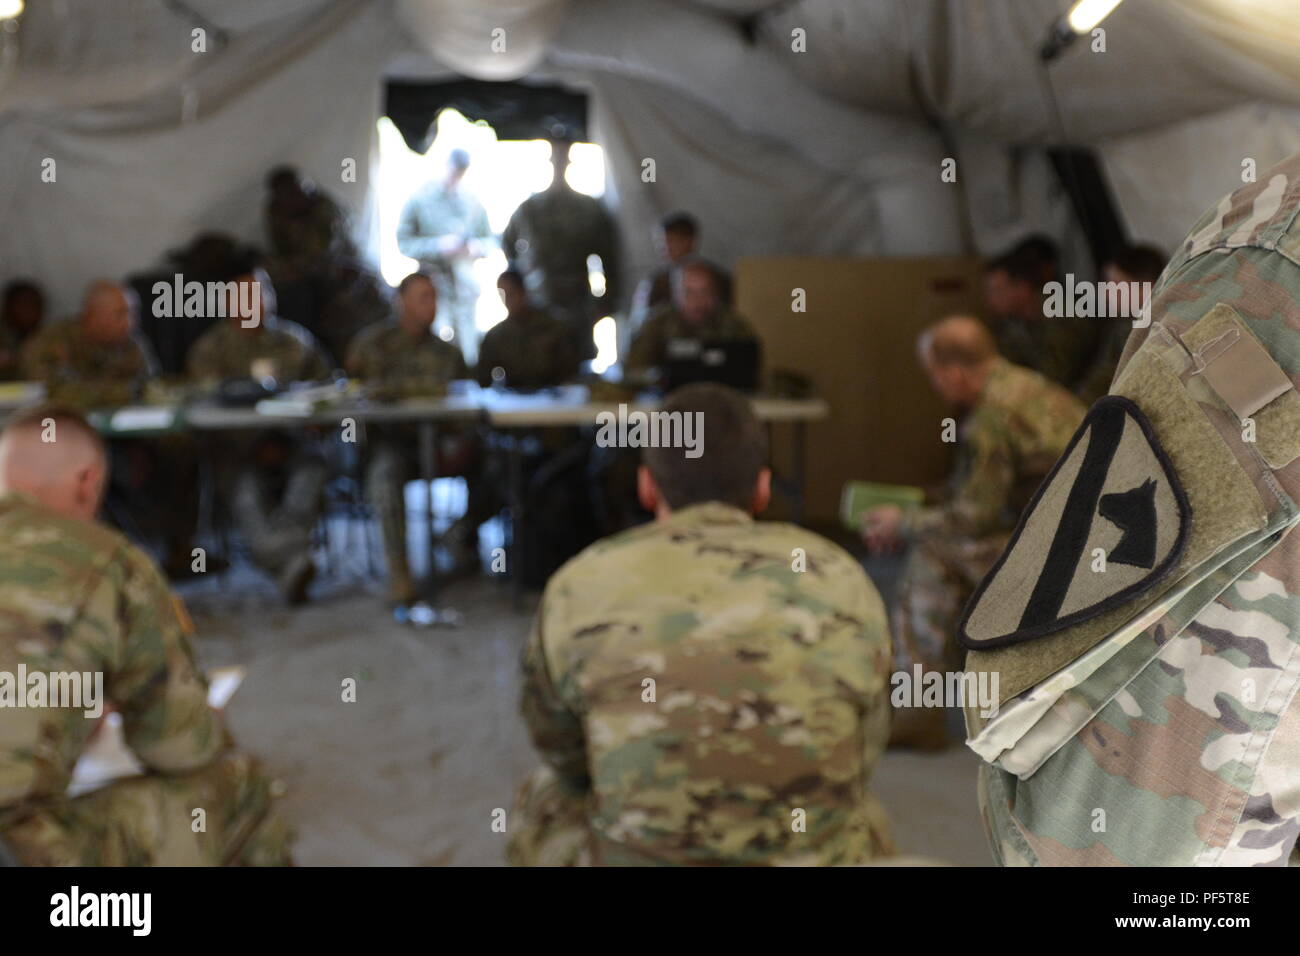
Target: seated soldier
[677, 237]
[528, 349]
[403, 359]
[698, 312]
[1058, 346]
[1016, 423]
[98, 360]
[79, 599]
[276, 485]
[22, 309]
[94, 360]
[707, 688]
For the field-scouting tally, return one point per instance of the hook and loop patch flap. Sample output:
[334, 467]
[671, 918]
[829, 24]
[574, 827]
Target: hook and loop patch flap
[1237, 367]
[1223, 504]
[1109, 522]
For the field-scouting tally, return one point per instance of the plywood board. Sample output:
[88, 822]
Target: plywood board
[857, 343]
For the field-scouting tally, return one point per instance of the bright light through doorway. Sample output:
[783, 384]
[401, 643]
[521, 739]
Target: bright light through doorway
[502, 174]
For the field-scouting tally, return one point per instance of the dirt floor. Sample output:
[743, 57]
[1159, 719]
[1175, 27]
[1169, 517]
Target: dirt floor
[411, 773]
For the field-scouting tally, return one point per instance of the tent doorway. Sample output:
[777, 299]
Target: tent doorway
[502, 174]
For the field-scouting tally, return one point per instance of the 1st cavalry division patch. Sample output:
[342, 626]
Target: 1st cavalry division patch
[1109, 522]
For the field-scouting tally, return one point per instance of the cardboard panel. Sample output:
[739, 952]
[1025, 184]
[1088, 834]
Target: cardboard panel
[857, 342]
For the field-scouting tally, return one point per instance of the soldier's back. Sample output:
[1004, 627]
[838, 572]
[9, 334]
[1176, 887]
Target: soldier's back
[731, 677]
[78, 598]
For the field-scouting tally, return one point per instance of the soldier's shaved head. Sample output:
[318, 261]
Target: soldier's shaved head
[108, 312]
[52, 454]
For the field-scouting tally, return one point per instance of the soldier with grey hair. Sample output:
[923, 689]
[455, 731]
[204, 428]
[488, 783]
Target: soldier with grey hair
[1016, 422]
[95, 359]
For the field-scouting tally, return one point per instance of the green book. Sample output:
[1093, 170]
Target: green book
[860, 496]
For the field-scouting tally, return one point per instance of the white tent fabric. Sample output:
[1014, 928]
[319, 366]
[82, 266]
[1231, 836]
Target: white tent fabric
[488, 41]
[835, 150]
[146, 162]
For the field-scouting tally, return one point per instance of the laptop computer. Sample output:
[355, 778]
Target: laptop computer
[735, 363]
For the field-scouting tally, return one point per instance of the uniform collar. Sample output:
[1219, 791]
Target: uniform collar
[13, 500]
[710, 512]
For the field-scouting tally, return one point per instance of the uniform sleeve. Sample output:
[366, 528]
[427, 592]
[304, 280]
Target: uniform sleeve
[555, 730]
[977, 504]
[410, 241]
[156, 683]
[875, 699]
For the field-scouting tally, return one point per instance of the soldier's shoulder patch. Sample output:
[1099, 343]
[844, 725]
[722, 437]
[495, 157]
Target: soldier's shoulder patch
[1109, 522]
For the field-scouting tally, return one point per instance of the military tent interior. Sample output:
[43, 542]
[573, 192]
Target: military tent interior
[810, 138]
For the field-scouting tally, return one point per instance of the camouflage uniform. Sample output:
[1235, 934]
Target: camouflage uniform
[393, 366]
[533, 349]
[768, 698]
[1165, 730]
[548, 239]
[649, 349]
[1007, 443]
[275, 511]
[277, 348]
[428, 217]
[87, 374]
[77, 597]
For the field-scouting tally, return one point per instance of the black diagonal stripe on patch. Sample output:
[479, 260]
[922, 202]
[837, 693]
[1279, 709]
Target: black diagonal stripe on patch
[1076, 520]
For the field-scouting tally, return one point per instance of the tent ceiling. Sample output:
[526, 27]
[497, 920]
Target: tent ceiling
[970, 63]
